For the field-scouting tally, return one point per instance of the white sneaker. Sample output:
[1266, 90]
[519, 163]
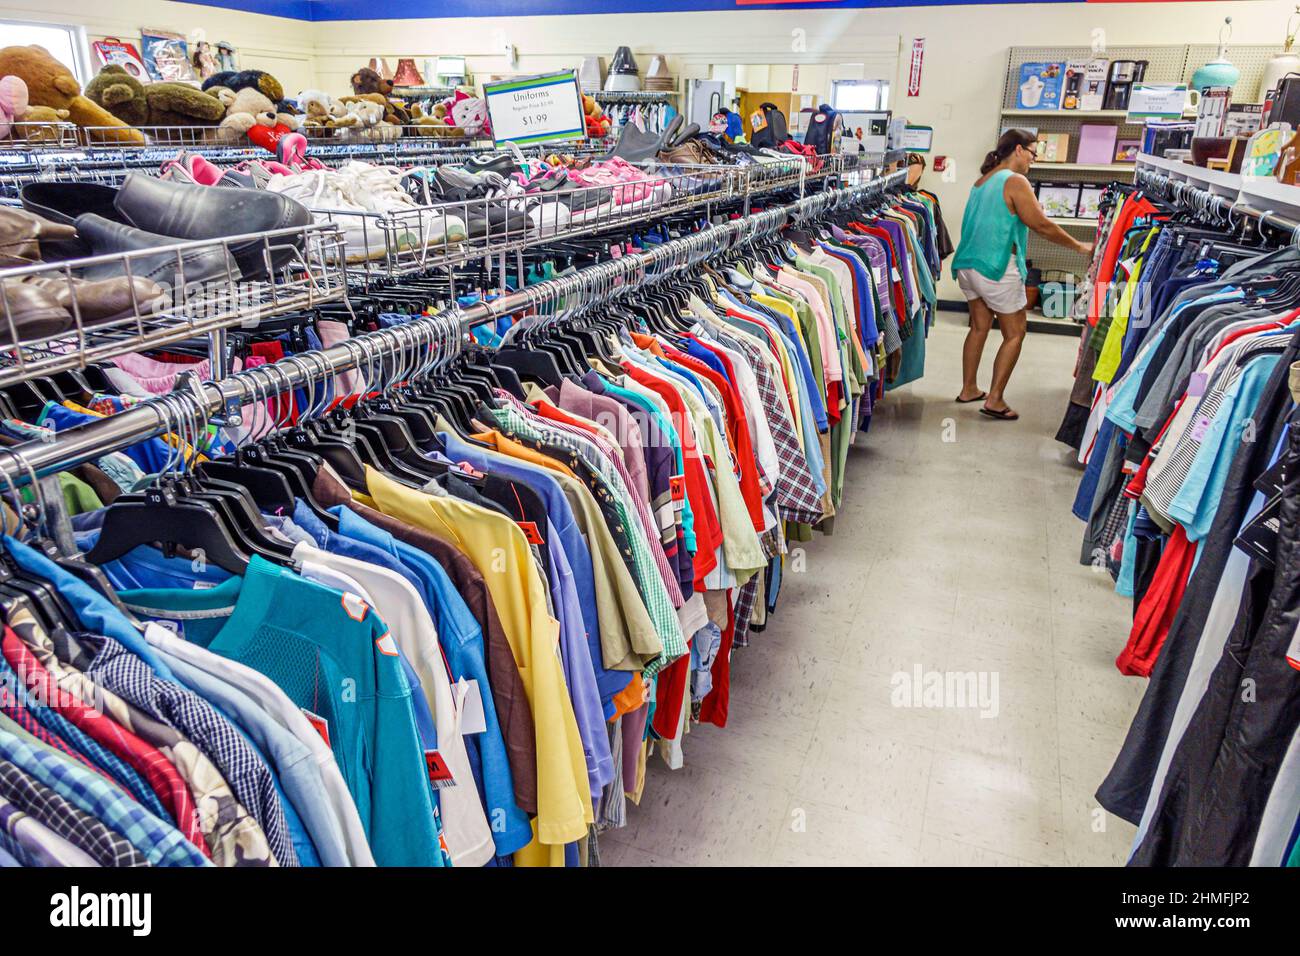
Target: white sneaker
[325, 194]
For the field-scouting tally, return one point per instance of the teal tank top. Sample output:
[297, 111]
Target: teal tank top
[990, 231]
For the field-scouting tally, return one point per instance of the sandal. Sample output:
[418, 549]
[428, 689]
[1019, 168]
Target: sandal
[966, 401]
[1006, 414]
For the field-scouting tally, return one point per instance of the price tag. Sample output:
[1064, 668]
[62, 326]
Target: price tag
[440, 775]
[536, 109]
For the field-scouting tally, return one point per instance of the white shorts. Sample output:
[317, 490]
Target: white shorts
[1004, 297]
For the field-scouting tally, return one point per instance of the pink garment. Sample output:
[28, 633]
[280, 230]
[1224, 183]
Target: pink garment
[345, 383]
[826, 330]
[159, 378]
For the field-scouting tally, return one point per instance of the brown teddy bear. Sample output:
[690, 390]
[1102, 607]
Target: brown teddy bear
[50, 83]
[394, 113]
[366, 80]
[41, 124]
[244, 110]
[158, 104]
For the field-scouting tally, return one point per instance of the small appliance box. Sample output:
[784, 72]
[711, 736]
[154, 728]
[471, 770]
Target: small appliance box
[1040, 86]
[1094, 85]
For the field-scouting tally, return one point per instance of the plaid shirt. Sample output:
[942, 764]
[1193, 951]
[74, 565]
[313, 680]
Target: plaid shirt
[75, 825]
[161, 844]
[126, 675]
[50, 727]
[156, 769]
[796, 493]
[658, 604]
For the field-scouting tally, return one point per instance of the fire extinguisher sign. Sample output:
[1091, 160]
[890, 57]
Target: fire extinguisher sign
[914, 72]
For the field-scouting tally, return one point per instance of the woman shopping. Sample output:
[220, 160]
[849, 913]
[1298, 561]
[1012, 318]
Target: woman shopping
[990, 263]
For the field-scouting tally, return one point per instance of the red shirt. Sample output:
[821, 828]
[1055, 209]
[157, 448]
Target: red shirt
[147, 759]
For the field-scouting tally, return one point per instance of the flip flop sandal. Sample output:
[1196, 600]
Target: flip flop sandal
[1006, 415]
[966, 401]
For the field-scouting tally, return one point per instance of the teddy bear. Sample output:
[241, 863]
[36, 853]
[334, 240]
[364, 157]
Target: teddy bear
[365, 119]
[158, 104]
[13, 103]
[43, 124]
[51, 84]
[395, 113]
[366, 80]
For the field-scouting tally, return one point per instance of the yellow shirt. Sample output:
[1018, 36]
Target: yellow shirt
[628, 639]
[501, 553]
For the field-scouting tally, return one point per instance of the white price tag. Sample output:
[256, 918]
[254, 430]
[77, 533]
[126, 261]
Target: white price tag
[472, 718]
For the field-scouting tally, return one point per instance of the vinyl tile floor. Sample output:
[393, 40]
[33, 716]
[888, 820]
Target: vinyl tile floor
[954, 561]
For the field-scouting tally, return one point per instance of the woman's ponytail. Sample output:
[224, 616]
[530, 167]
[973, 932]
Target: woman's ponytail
[1007, 144]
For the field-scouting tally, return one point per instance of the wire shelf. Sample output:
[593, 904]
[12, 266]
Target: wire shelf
[303, 267]
[415, 239]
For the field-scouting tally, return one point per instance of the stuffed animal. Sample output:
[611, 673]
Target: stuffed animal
[50, 83]
[597, 122]
[250, 114]
[41, 124]
[158, 104]
[366, 80]
[13, 103]
[470, 114]
[260, 80]
[394, 113]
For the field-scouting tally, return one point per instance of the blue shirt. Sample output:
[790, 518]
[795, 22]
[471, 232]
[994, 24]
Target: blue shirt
[97, 613]
[461, 640]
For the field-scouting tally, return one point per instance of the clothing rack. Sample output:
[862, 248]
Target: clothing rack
[193, 404]
[1226, 209]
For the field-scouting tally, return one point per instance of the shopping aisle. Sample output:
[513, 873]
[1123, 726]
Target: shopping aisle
[956, 552]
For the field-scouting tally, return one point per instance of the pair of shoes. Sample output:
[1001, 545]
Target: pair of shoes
[23, 236]
[162, 213]
[41, 307]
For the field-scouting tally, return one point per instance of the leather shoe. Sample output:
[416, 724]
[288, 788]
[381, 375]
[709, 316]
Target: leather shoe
[102, 301]
[201, 212]
[21, 235]
[207, 263]
[35, 313]
[64, 202]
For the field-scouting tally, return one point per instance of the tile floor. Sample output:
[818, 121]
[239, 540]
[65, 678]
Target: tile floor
[955, 552]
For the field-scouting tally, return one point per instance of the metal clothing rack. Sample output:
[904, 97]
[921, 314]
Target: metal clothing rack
[1227, 210]
[556, 300]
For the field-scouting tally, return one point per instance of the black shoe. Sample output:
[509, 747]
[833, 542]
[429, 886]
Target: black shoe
[503, 165]
[204, 264]
[202, 212]
[64, 202]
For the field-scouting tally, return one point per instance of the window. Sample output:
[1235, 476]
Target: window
[860, 95]
[66, 44]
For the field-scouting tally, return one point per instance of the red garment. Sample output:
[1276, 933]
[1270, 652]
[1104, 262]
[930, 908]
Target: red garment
[670, 694]
[708, 529]
[156, 769]
[1156, 613]
[742, 447]
[280, 405]
[1134, 207]
[714, 706]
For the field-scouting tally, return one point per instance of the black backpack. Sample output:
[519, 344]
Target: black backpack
[775, 132]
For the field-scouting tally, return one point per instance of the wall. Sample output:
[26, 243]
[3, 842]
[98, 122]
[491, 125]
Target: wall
[962, 78]
[965, 56]
[275, 44]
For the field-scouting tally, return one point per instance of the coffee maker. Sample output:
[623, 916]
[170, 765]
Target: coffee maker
[1124, 75]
